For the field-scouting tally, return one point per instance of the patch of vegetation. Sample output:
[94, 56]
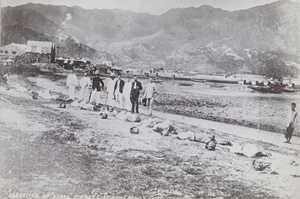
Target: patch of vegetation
[26, 70]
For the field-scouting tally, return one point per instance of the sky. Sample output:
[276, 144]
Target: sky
[154, 7]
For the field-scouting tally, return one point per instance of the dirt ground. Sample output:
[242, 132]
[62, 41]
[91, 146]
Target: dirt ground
[49, 152]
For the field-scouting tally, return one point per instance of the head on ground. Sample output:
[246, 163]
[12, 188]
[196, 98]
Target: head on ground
[110, 108]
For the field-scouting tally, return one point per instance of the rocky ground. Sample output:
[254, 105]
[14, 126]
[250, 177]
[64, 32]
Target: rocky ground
[50, 152]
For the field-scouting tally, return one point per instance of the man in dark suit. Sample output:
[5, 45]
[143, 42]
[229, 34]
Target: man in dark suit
[98, 85]
[118, 91]
[134, 95]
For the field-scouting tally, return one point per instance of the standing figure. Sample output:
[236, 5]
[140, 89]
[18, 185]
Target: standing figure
[118, 91]
[96, 88]
[84, 84]
[290, 122]
[126, 95]
[149, 95]
[5, 73]
[110, 90]
[134, 95]
[71, 84]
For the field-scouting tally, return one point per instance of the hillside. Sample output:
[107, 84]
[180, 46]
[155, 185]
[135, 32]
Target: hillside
[204, 39]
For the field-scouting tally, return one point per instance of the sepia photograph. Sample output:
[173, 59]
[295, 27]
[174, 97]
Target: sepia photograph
[149, 99]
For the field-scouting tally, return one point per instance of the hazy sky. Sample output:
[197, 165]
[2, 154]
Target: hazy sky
[155, 7]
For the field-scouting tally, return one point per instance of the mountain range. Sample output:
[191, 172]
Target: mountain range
[262, 40]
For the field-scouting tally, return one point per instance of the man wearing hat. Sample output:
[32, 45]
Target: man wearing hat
[290, 122]
[110, 90]
[96, 88]
[134, 95]
[118, 91]
[149, 95]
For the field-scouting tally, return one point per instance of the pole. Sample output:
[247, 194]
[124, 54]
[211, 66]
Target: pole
[57, 49]
[0, 24]
[80, 51]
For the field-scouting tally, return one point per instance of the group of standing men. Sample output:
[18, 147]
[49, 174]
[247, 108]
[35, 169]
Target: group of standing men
[120, 94]
[125, 95]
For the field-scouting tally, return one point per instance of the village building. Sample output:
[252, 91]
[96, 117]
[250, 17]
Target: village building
[108, 63]
[12, 50]
[117, 70]
[32, 52]
[40, 51]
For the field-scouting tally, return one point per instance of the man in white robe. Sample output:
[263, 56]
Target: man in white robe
[149, 95]
[126, 95]
[84, 84]
[72, 82]
[110, 90]
[290, 122]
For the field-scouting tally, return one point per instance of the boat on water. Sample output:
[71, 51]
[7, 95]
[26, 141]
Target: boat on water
[242, 82]
[291, 89]
[199, 80]
[268, 89]
[185, 83]
[217, 85]
[157, 80]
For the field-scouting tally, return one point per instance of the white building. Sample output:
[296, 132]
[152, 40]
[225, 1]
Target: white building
[40, 47]
[12, 50]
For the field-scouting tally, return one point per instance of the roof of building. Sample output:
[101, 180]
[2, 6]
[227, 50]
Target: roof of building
[14, 45]
[39, 43]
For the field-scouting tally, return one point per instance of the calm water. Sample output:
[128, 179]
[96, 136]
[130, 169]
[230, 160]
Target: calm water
[218, 89]
[212, 89]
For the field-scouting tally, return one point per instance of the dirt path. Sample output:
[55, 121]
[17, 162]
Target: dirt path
[40, 156]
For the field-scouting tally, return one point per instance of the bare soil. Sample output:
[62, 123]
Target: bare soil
[40, 156]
